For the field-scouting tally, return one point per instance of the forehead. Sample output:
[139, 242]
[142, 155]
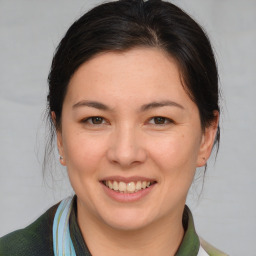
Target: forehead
[140, 73]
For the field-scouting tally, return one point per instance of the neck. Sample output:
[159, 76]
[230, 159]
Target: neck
[160, 238]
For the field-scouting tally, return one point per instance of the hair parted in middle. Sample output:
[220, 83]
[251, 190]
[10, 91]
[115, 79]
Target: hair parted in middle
[125, 24]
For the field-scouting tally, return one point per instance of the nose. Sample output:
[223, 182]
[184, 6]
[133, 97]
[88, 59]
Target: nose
[126, 147]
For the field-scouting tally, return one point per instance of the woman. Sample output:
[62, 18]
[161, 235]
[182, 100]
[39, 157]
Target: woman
[133, 101]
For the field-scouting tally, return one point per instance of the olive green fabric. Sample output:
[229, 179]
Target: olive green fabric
[190, 243]
[36, 239]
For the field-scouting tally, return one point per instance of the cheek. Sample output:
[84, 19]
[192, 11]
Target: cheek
[83, 153]
[176, 154]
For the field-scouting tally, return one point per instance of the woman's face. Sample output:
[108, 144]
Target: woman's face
[131, 138]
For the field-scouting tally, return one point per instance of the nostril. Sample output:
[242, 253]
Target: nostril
[128, 156]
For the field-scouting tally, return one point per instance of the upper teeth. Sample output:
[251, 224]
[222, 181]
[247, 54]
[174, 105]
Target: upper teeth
[130, 187]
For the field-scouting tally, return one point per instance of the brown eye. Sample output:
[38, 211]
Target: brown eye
[159, 120]
[96, 120]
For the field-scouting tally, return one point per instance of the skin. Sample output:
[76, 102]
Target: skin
[126, 142]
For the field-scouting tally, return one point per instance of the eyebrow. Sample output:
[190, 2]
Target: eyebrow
[160, 104]
[92, 104]
[145, 107]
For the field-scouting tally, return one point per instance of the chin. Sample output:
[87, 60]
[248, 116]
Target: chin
[127, 220]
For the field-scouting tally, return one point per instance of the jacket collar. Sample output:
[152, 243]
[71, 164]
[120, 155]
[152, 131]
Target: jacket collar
[189, 246]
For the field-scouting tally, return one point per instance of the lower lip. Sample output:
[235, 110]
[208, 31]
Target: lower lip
[127, 197]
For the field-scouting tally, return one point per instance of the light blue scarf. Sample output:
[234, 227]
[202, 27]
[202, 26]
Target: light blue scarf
[62, 243]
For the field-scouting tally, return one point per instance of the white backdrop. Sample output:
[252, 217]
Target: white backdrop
[225, 215]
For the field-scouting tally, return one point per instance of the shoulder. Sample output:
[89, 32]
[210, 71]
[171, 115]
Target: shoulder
[211, 250]
[35, 239]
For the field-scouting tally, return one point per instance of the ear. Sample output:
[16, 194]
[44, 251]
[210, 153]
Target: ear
[59, 140]
[207, 141]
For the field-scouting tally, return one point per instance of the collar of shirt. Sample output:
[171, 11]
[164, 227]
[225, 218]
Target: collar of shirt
[190, 244]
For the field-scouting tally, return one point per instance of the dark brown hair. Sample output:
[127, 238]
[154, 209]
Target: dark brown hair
[125, 24]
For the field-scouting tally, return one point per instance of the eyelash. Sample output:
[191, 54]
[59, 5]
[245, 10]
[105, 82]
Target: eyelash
[89, 120]
[155, 119]
[165, 120]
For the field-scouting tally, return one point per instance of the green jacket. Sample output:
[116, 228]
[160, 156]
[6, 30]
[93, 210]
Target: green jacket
[36, 239]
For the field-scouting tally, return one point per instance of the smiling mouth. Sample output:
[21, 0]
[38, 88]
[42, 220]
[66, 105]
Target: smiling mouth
[130, 187]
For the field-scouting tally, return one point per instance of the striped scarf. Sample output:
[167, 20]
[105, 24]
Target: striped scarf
[62, 243]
